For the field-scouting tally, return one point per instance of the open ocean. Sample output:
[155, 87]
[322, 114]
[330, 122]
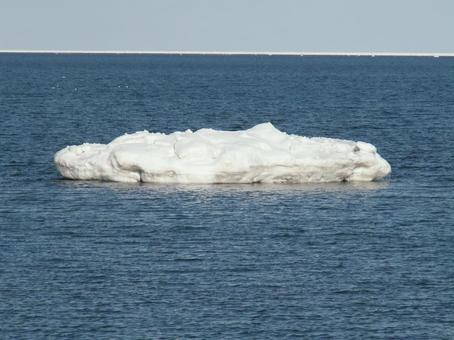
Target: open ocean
[94, 260]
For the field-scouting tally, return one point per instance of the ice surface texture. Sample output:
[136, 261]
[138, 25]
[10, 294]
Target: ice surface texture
[260, 154]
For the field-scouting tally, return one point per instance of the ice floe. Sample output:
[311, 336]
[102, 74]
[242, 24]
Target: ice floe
[262, 154]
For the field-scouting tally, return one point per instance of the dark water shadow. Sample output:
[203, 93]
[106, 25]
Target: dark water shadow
[227, 188]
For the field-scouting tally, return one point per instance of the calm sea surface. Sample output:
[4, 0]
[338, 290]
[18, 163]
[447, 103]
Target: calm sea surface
[98, 260]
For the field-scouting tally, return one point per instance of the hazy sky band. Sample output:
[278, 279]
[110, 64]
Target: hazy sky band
[234, 25]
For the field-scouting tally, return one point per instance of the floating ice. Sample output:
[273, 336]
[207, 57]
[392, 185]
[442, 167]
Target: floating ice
[260, 154]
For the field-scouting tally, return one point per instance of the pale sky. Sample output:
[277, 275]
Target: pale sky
[228, 25]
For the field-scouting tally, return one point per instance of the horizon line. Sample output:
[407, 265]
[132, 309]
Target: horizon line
[257, 53]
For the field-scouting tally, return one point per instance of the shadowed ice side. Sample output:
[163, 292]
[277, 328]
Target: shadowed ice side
[262, 154]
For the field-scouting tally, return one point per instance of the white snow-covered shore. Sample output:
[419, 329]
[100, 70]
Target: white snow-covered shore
[233, 53]
[262, 154]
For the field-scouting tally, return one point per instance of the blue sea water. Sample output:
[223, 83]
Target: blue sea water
[95, 260]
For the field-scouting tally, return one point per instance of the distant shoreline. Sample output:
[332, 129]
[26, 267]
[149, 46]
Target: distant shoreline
[239, 53]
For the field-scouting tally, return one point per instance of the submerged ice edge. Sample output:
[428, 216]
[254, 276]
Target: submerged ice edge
[262, 154]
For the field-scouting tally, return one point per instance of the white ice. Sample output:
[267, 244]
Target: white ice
[262, 154]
